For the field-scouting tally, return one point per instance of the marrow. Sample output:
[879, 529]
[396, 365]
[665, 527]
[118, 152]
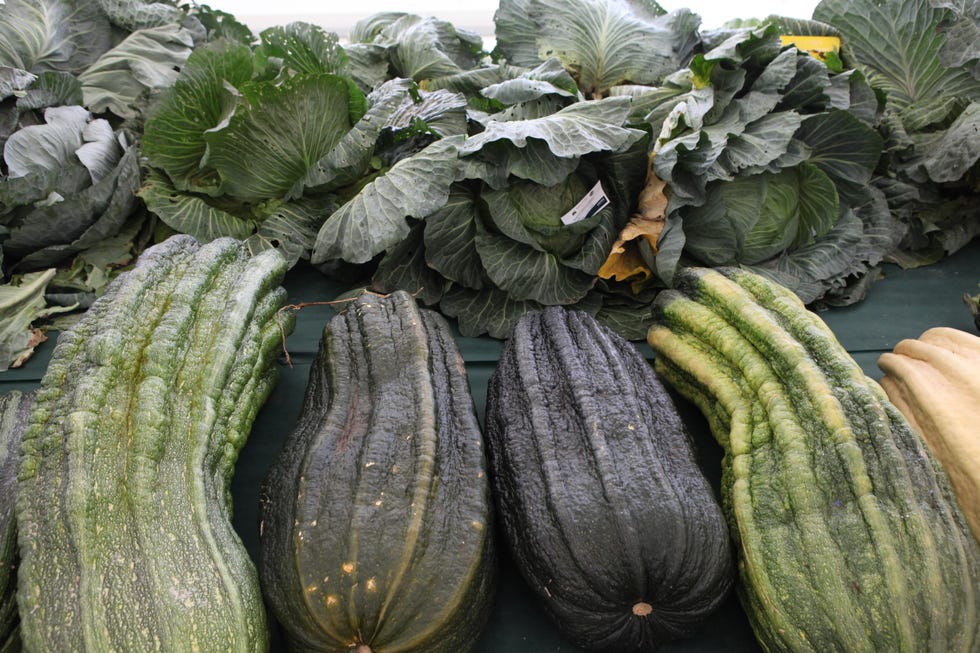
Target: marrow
[607, 513]
[123, 503]
[376, 531]
[848, 534]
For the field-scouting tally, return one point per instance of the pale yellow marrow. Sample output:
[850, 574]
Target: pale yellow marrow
[935, 382]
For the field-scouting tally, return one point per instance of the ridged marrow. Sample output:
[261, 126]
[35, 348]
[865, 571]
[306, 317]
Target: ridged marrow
[376, 533]
[123, 501]
[848, 534]
[606, 511]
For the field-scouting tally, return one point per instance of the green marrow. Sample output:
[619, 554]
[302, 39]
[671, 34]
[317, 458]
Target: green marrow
[606, 511]
[376, 532]
[123, 503]
[15, 409]
[848, 535]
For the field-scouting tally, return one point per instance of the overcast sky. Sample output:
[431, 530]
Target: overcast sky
[713, 12]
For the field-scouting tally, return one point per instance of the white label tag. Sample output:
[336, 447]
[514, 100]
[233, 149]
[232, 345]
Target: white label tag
[593, 202]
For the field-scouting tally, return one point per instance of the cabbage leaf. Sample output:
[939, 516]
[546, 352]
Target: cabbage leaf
[22, 304]
[52, 35]
[602, 43]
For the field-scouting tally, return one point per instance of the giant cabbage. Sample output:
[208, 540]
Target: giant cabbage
[923, 56]
[499, 247]
[279, 146]
[121, 51]
[764, 156]
[75, 81]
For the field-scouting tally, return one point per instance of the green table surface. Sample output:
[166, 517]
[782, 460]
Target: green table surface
[902, 305]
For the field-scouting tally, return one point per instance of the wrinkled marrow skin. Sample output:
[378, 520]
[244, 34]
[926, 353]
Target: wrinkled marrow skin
[848, 535]
[15, 410]
[376, 531]
[607, 514]
[123, 503]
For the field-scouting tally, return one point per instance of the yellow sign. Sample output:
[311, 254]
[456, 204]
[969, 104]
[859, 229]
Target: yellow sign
[818, 46]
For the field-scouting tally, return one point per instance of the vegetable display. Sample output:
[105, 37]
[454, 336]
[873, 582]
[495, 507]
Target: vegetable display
[376, 532]
[849, 535]
[598, 171]
[15, 410]
[935, 381]
[608, 516]
[122, 497]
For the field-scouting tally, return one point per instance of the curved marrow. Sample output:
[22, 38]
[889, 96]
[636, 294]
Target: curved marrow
[376, 531]
[123, 503]
[849, 537]
[607, 514]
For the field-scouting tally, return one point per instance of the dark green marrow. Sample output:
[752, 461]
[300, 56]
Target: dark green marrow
[376, 532]
[606, 511]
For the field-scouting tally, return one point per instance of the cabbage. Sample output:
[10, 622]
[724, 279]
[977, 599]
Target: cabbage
[923, 56]
[767, 156]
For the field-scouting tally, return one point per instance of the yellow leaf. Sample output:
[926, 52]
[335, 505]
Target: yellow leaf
[652, 204]
[624, 261]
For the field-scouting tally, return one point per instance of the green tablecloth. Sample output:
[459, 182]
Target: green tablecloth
[902, 305]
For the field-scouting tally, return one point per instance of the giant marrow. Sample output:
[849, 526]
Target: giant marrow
[848, 534]
[376, 533]
[123, 502]
[607, 514]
